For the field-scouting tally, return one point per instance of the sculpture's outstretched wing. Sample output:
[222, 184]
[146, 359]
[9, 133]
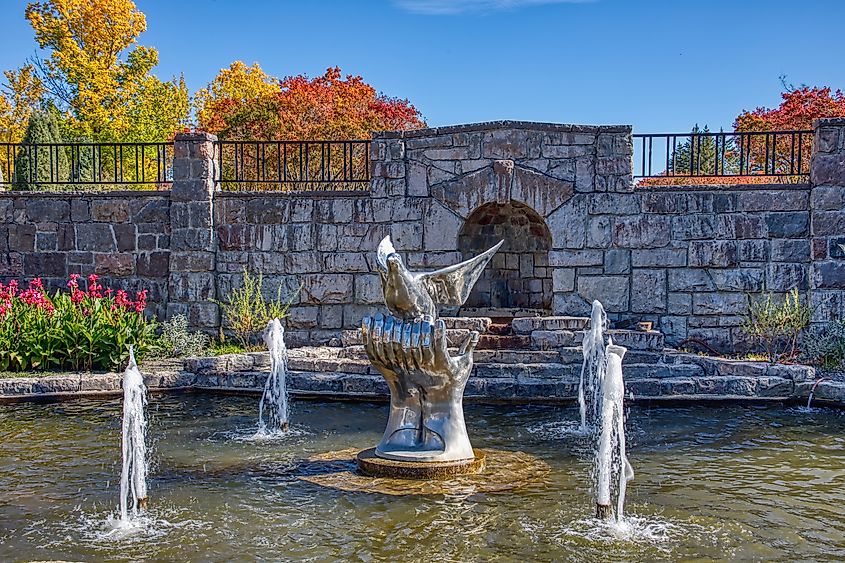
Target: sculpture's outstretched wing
[452, 285]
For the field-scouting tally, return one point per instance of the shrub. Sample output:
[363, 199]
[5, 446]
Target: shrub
[248, 312]
[176, 340]
[776, 323]
[78, 330]
[825, 346]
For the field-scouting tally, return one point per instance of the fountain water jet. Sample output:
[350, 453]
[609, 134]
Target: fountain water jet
[275, 395]
[611, 457]
[133, 474]
[593, 369]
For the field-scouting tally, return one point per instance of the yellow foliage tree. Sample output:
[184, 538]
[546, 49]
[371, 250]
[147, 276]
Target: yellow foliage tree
[21, 97]
[237, 86]
[101, 76]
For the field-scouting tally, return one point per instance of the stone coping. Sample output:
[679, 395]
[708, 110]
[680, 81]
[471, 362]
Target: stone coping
[503, 124]
[722, 187]
[231, 194]
[666, 376]
[121, 193]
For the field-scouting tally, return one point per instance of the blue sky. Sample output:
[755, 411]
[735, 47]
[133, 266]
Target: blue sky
[660, 65]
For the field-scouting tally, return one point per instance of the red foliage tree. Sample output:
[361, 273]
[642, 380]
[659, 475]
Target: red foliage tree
[326, 107]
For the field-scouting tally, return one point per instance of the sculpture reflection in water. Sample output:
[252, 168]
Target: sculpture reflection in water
[409, 348]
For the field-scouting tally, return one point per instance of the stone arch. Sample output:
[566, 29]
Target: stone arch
[518, 276]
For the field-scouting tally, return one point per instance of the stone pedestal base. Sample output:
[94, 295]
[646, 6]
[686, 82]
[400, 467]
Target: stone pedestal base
[370, 464]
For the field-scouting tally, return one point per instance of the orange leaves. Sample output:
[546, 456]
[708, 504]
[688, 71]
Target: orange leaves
[797, 110]
[326, 107]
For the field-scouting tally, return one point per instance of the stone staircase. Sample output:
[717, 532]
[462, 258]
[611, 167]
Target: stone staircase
[528, 359]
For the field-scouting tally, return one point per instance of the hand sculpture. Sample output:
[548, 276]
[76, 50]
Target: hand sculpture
[426, 421]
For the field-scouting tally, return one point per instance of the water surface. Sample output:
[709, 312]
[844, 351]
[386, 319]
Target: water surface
[732, 482]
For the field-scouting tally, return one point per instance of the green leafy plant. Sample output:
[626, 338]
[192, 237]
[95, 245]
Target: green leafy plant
[77, 330]
[177, 341]
[776, 323]
[825, 346]
[247, 311]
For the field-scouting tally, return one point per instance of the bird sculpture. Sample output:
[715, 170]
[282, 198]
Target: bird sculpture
[414, 295]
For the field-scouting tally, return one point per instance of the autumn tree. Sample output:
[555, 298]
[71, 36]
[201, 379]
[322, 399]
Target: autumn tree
[800, 106]
[19, 98]
[100, 76]
[244, 103]
[234, 90]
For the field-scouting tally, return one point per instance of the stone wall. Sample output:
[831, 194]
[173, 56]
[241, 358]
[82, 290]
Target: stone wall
[122, 236]
[563, 195]
[827, 203]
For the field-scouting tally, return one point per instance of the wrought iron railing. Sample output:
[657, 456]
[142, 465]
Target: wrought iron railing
[69, 166]
[292, 165]
[781, 155]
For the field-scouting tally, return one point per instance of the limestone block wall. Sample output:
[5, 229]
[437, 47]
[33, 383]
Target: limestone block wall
[827, 203]
[122, 236]
[562, 196]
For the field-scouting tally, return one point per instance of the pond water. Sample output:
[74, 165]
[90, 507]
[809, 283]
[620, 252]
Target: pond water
[729, 482]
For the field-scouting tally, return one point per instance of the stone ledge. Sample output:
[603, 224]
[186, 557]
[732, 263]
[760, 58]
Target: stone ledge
[497, 125]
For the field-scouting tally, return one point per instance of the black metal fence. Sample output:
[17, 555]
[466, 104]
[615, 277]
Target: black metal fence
[72, 166]
[782, 155]
[293, 165]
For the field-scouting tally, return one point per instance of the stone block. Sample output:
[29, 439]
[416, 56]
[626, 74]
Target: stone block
[45, 264]
[302, 316]
[829, 275]
[742, 279]
[573, 258]
[152, 264]
[22, 238]
[827, 198]
[828, 223]
[664, 257]
[794, 199]
[327, 288]
[441, 228]
[96, 237]
[612, 291]
[599, 231]
[790, 250]
[346, 262]
[719, 303]
[781, 277]
[116, 264]
[40, 210]
[511, 143]
[552, 339]
[110, 210]
[617, 261]
[125, 236]
[368, 289]
[563, 280]
[713, 253]
[641, 231]
[664, 203]
[788, 225]
[649, 291]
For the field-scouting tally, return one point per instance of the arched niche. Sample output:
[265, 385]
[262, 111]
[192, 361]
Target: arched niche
[518, 275]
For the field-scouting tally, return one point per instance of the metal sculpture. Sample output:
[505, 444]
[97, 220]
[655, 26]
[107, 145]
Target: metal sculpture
[409, 348]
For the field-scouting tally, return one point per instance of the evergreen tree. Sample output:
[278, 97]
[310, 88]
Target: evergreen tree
[697, 156]
[39, 160]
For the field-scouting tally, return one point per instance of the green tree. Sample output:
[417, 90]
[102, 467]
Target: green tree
[698, 155]
[39, 161]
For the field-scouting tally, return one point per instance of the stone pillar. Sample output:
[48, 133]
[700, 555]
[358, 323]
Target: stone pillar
[193, 242]
[827, 212]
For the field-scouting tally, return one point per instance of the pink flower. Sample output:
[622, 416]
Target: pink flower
[121, 299]
[72, 282]
[77, 296]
